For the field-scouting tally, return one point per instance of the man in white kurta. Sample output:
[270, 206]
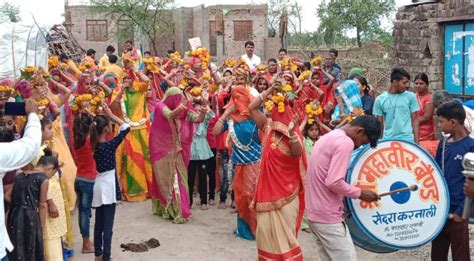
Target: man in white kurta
[249, 57]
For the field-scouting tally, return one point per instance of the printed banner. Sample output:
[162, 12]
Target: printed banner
[405, 219]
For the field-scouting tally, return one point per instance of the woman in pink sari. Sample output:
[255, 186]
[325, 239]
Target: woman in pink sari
[171, 136]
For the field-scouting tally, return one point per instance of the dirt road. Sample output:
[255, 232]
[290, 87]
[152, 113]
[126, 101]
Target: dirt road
[208, 236]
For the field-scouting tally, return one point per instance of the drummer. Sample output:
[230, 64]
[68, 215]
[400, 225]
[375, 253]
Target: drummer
[326, 186]
[455, 234]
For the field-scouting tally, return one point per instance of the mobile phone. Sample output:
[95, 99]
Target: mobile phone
[15, 109]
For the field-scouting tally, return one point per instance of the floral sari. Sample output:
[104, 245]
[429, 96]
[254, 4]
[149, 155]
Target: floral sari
[279, 195]
[170, 145]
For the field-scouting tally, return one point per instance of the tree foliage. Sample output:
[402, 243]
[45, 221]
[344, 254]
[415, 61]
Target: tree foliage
[9, 13]
[364, 16]
[153, 18]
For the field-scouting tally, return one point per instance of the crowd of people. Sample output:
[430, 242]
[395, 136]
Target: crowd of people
[276, 137]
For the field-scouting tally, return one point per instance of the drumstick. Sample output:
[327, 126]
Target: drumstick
[410, 188]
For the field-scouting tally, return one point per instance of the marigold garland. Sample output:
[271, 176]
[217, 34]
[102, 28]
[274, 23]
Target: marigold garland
[5, 88]
[151, 65]
[127, 58]
[79, 99]
[176, 58]
[229, 63]
[63, 66]
[304, 75]
[28, 71]
[282, 93]
[196, 91]
[83, 97]
[261, 68]
[356, 112]
[317, 61]
[95, 101]
[312, 110]
[86, 65]
[6, 92]
[288, 64]
[53, 62]
[206, 76]
[183, 83]
[287, 88]
[204, 55]
[43, 102]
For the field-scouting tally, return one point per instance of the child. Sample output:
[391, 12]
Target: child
[312, 132]
[200, 155]
[28, 210]
[450, 153]
[105, 194]
[311, 135]
[56, 224]
[85, 178]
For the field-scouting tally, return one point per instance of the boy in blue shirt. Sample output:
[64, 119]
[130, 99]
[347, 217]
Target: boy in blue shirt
[396, 108]
[455, 233]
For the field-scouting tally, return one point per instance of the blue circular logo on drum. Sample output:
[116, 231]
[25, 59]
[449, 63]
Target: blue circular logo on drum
[400, 197]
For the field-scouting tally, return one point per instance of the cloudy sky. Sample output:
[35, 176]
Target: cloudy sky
[52, 12]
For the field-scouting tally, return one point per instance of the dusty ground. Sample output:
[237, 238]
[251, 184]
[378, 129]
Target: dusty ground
[208, 236]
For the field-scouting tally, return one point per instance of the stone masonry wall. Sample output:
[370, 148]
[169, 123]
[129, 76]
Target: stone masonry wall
[187, 23]
[257, 14]
[419, 36]
[78, 16]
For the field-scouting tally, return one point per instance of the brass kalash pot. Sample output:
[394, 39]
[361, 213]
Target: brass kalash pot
[468, 164]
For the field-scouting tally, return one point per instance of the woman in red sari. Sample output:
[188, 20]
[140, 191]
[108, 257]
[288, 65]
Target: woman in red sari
[279, 196]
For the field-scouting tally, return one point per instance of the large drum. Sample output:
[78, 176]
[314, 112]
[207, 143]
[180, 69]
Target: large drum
[403, 220]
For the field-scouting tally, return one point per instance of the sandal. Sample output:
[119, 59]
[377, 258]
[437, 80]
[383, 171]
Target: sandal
[222, 205]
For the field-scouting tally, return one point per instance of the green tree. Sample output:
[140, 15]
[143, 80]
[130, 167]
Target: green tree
[153, 18]
[9, 13]
[364, 16]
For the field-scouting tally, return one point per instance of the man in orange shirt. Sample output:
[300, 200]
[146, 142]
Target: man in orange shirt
[114, 68]
[104, 60]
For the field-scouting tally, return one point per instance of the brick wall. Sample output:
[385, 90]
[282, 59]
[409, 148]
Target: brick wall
[419, 36]
[78, 16]
[187, 23]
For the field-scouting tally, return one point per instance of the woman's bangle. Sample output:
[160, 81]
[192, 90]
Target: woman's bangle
[294, 138]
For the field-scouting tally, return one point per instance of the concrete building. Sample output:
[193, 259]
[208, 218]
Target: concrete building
[240, 23]
[437, 37]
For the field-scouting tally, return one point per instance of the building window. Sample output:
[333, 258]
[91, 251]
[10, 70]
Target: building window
[243, 30]
[458, 59]
[96, 30]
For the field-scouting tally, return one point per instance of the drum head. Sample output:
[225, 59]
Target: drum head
[403, 220]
